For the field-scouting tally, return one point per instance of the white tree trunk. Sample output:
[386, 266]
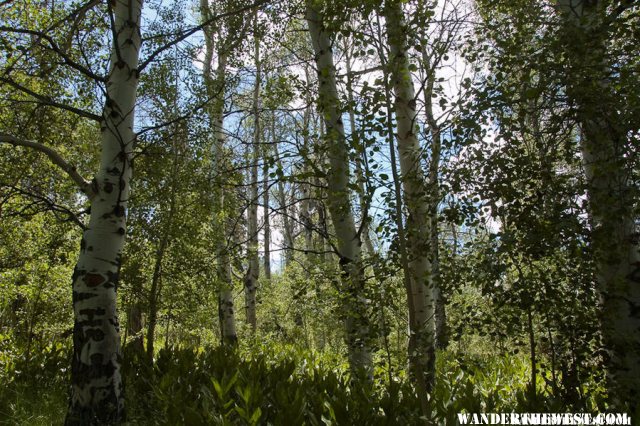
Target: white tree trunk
[416, 195]
[253, 270]
[305, 210]
[287, 225]
[359, 173]
[226, 307]
[267, 217]
[442, 333]
[615, 235]
[215, 91]
[338, 200]
[96, 383]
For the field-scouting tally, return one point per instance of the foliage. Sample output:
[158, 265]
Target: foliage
[282, 384]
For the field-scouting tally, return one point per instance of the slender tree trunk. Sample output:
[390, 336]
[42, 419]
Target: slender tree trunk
[339, 204]
[96, 382]
[305, 211]
[226, 308]
[413, 350]
[156, 279]
[267, 218]
[281, 194]
[416, 199]
[286, 212]
[165, 239]
[614, 238]
[134, 327]
[364, 205]
[323, 220]
[442, 332]
[133, 331]
[253, 270]
[215, 91]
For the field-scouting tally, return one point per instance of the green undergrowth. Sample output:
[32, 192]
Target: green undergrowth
[278, 386]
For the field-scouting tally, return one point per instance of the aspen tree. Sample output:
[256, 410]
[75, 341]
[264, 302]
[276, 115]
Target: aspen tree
[416, 196]
[338, 199]
[253, 270]
[603, 142]
[215, 90]
[96, 381]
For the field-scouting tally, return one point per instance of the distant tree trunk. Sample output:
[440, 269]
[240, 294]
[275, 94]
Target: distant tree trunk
[323, 221]
[286, 215]
[604, 143]
[165, 239]
[442, 332]
[267, 218]
[339, 204]
[253, 270]
[96, 382]
[226, 309]
[156, 280]
[215, 91]
[134, 314]
[362, 199]
[416, 198]
[305, 212]
[134, 327]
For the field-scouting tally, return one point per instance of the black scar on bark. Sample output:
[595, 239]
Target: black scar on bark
[78, 297]
[96, 359]
[108, 187]
[94, 334]
[93, 280]
[118, 210]
[92, 312]
[114, 171]
[82, 374]
[120, 231]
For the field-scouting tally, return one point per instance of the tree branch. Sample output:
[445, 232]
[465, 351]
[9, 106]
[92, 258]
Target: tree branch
[46, 100]
[55, 48]
[55, 157]
[197, 28]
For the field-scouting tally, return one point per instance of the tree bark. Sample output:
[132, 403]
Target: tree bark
[267, 218]
[362, 199]
[96, 382]
[156, 278]
[215, 91]
[285, 211]
[253, 270]
[306, 209]
[339, 204]
[614, 237]
[442, 332]
[416, 195]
